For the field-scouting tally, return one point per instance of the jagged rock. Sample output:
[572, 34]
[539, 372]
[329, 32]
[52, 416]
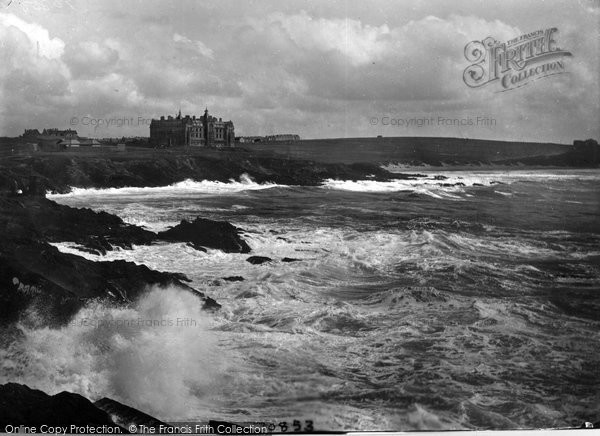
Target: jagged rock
[38, 218]
[207, 233]
[39, 276]
[257, 260]
[234, 279]
[290, 259]
[21, 405]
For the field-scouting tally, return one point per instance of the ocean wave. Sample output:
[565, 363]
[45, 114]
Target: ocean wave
[187, 186]
[164, 337]
[440, 189]
[446, 184]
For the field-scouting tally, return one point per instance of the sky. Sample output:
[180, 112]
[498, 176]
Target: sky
[319, 69]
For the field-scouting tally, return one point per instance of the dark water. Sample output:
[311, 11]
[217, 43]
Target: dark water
[412, 305]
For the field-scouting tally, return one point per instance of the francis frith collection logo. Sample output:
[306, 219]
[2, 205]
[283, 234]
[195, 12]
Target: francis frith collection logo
[514, 63]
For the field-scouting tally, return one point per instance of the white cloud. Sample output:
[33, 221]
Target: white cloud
[38, 36]
[358, 42]
[197, 45]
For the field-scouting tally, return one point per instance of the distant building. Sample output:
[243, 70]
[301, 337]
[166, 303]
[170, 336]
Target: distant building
[89, 142]
[70, 143]
[250, 139]
[268, 138]
[204, 131]
[53, 139]
[64, 134]
[57, 140]
[284, 137]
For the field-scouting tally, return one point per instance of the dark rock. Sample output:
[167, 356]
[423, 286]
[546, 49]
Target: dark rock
[290, 259]
[234, 279]
[38, 218]
[209, 303]
[21, 405]
[257, 260]
[56, 284]
[207, 233]
[450, 185]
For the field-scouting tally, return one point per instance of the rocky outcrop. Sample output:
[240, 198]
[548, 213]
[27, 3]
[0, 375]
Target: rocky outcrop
[36, 275]
[207, 233]
[233, 279]
[36, 218]
[21, 405]
[258, 260]
[290, 259]
[58, 172]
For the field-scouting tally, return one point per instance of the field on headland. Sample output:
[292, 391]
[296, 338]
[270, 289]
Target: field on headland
[411, 150]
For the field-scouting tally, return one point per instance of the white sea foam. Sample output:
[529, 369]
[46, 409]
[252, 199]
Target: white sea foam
[430, 187]
[187, 186]
[477, 174]
[446, 184]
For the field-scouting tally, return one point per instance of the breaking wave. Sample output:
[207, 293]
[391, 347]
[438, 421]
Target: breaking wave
[434, 188]
[187, 186]
[158, 355]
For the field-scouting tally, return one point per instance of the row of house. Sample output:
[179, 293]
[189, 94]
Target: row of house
[55, 139]
[269, 138]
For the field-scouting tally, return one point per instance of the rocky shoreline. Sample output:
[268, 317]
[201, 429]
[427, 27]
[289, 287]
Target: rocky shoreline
[36, 278]
[21, 405]
[58, 172]
[34, 273]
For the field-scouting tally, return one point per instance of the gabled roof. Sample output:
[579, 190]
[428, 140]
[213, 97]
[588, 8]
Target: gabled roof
[70, 142]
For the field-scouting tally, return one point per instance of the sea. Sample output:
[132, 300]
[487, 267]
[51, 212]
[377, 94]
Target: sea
[453, 300]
